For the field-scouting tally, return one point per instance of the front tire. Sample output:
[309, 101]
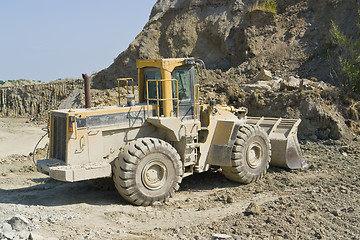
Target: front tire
[250, 157]
[148, 170]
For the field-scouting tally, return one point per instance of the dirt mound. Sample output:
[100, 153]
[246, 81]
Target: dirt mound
[326, 112]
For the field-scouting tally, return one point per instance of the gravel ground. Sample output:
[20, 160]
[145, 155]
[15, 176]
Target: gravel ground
[321, 202]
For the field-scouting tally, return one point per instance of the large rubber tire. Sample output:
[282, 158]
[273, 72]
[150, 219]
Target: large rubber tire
[250, 157]
[148, 170]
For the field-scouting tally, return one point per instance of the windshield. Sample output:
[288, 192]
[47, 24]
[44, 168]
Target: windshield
[185, 82]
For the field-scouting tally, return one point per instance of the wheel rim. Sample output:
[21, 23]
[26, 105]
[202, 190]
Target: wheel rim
[154, 175]
[254, 155]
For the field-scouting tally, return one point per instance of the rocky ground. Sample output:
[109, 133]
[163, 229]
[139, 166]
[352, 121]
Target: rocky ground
[320, 202]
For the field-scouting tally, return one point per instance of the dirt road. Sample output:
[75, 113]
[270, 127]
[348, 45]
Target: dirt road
[321, 202]
[18, 136]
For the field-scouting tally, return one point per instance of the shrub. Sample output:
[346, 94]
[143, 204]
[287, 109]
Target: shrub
[268, 6]
[349, 58]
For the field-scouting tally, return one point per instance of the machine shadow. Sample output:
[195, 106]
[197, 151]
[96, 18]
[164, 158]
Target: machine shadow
[208, 180]
[214, 179]
[49, 193]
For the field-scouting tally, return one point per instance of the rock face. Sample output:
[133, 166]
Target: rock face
[226, 35]
[181, 29]
[34, 100]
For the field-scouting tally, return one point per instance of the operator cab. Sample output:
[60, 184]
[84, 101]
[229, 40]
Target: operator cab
[181, 86]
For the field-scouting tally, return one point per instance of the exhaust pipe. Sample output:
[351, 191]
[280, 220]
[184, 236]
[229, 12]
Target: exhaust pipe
[87, 91]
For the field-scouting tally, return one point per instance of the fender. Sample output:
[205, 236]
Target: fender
[223, 142]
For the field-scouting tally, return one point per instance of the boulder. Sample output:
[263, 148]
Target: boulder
[19, 223]
[292, 83]
[263, 75]
[255, 86]
[6, 231]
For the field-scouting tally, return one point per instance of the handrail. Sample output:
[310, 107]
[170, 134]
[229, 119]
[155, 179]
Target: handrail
[196, 101]
[127, 86]
[157, 99]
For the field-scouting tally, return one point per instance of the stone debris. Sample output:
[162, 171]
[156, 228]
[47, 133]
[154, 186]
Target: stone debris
[265, 82]
[19, 227]
[336, 213]
[294, 83]
[253, 209]
[6, 232]
[218, 236]
[291, 83]
[263, 75]
[230, 199]
[35, 236]
[19, 223]
[256, 86]
[15, 228]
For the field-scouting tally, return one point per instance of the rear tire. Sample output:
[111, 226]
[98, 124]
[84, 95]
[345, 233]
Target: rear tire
[148, 170]
[250, 156]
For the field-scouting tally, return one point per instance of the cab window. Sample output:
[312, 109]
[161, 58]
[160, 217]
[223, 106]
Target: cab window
[152, 74]
[184, 76]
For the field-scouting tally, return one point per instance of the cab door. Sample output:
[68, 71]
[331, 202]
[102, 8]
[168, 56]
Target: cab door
[185, 76]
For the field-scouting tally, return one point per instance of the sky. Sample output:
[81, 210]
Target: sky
[50, 39]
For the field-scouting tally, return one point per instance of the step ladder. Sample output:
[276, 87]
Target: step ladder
[191, 150]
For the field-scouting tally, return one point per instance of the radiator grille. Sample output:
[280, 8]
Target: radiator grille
[59, 138]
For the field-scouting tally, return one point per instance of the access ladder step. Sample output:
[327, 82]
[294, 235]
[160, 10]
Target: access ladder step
[193, 135]
[192, 145]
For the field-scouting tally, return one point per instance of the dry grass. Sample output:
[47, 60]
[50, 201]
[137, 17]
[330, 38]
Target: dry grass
[353, 110]
[267, 6]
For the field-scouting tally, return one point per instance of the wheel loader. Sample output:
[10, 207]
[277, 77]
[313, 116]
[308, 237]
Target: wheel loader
[148, 147]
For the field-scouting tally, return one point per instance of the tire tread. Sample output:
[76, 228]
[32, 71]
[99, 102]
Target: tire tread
[238, 171]
[125, 170]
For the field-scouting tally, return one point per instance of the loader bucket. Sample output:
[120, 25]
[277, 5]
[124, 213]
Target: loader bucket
[285, 148]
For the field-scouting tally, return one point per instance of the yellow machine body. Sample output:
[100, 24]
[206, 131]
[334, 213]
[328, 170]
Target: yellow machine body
[85, 143]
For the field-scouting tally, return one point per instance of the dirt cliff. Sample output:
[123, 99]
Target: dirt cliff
[34, 99]
[236, 44]
[226, 35]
